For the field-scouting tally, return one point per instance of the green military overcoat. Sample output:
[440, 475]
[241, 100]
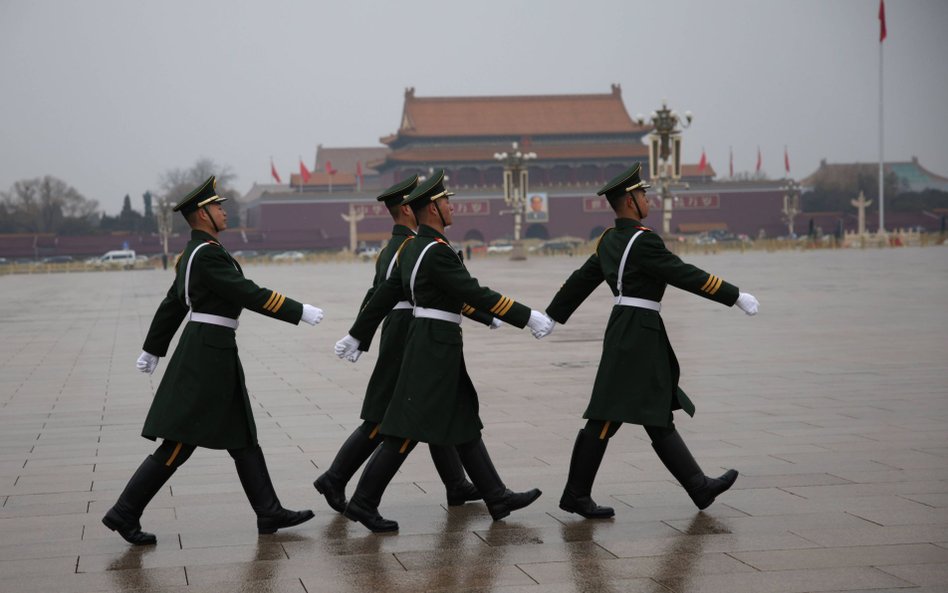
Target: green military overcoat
[435, 400]
[202, 399]
[637, 380]
[394, 334]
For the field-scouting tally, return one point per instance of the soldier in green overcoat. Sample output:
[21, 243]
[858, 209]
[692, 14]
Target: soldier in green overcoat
[365, 438]
[202, 400]
[434, 400]
[637, 380]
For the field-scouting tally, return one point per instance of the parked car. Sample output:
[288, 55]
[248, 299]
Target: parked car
[368, 252]
[500, 248]
[246, 254]
[58, 259]
[119, 258]
[289, 256]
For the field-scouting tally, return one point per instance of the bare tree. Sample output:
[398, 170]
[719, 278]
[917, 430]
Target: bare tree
[177, 183]
[46, 205]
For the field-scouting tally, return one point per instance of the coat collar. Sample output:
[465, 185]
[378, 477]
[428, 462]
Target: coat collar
[400, 229]
[426, 231]
[204, 237]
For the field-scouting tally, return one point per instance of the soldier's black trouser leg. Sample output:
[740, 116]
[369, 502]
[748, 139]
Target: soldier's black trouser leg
[147, 480]
[448, 463]
[500, 501]
[353, 453]
[379, 471]
[588, 451]
[678, 459]
[254, 477]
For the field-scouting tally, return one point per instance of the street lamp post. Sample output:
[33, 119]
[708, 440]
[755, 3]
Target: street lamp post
[791, 204]
[664, 153]
[515, 191]
[163, 216]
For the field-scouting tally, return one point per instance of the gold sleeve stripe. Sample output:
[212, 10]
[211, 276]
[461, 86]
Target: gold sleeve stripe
[278, 304]
[499, 304]
[507, 308]
[273, 296]
[467, 309]
[716, 286]
[270, 305]
[709, 282]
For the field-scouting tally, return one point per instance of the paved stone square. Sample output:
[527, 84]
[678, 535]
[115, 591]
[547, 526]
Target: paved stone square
[832, 403]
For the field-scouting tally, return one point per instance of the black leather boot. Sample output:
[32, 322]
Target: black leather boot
[448, 464]
[701, 488]
[124, 517]
[583, 466]
[500, 501]
[364, 504]
[353, 453]
[254, 477]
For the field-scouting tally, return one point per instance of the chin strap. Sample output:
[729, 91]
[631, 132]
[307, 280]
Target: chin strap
[636, 204]
[214, 224]
[441, 216]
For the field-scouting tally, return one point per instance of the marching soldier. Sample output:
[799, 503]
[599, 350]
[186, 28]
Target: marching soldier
[363, 441]
[637, 380]
[434, 399]
[202, 400]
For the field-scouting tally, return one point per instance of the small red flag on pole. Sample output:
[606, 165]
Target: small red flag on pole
[759, 161]
[703, 163]
[329, 169]
[304, 172]
[881, 21]
[786, 160]
[273, 172]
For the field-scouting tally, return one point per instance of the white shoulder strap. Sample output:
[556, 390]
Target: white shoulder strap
[625, 256]
[187, 276]
[414, 272]
[391, 265]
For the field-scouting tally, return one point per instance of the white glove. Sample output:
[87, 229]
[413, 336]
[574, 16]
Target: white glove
[147, 363]
[540, 324]
[312, 315]
[346, 346]
[495, 323]
[747, 303]
[354, 356]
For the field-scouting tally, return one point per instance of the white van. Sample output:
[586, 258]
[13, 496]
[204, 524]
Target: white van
[119, 258]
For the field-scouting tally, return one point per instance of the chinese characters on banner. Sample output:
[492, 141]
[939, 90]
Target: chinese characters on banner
[461, 208]
[682, 202]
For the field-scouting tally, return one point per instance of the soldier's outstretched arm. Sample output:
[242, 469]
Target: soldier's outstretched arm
[220, 275]
[577, 288]
[454, 279]
[650, 254]
[165, 323]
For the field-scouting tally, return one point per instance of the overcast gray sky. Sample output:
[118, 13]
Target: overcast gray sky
[108, 94]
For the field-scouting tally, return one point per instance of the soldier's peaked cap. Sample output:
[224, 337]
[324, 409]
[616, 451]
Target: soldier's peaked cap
[394, 195]
[427, 192]
[205, 194]
[624, 182]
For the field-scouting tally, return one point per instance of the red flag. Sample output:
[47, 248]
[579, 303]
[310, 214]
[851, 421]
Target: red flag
[732, 162]
[703, 163]
[273, 172]
[329, 169]
[759, 162]
[304, 172]
[786, 160]
[359, 169]
[881, 21]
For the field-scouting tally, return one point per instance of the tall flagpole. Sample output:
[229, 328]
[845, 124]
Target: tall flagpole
[881, 136]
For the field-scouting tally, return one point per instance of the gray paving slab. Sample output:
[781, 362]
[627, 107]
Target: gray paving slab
[833, 404]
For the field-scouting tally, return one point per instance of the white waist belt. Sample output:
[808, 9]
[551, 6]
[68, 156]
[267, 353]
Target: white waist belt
[213, 320]
[640, 303]
[437, 314]
[403, 305]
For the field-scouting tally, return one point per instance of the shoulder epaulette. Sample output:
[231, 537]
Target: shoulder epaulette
[599, 240]
[643, 228]
[402, 246]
